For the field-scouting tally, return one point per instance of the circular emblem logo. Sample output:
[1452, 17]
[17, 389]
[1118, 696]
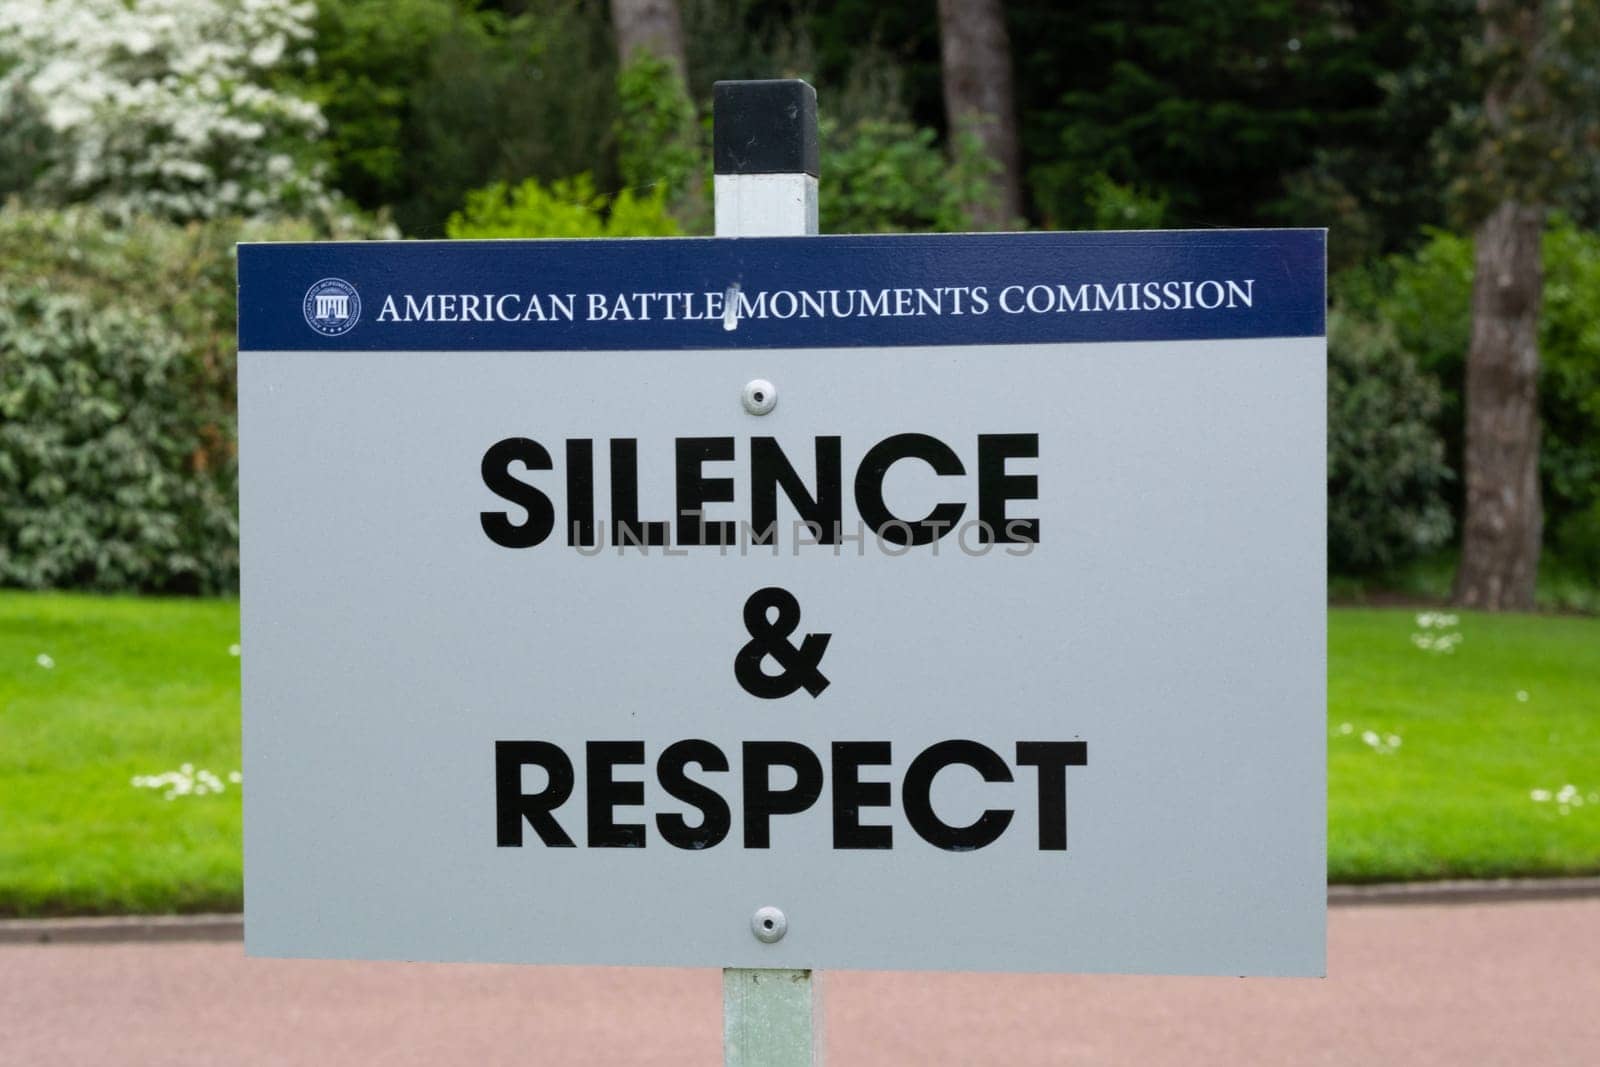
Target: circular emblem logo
[332, 307]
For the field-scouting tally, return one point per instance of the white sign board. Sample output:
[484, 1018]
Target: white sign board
[996, 642]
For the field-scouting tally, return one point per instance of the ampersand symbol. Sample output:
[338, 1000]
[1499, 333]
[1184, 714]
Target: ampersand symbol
[799, 662]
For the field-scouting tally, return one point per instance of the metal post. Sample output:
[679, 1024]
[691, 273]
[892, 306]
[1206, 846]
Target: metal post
[771, 1017]
[765, 148]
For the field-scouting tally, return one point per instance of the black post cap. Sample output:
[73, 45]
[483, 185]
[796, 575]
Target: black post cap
[765, 127]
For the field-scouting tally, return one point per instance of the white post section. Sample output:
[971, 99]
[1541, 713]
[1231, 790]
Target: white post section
[765, 146]
[766, 205]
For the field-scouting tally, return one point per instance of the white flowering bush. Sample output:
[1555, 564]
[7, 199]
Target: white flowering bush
[177, 108]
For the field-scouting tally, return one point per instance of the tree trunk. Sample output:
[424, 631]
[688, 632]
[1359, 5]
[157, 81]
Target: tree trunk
[1504, 517]
[975, 57]
[652, 25]
[1504, 514]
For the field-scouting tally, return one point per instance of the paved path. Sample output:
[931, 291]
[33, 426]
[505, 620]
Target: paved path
[1415, 985]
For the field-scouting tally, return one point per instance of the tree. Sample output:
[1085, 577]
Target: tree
[428, 99]
[652, 26]
[1537, 60]
[976, 64]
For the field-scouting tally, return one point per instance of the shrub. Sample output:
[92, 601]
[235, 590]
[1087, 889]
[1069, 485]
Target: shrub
[1386, 469]
[101, 484]
[567, 207]
[888, 176]
[658, 136]
[1569, 390]
[1577, 539]
[1123, 207]
[117, 464]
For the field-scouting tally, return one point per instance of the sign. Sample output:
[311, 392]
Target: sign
[947, 602]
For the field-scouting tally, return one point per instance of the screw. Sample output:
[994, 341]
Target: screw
[769, 924]
[760, 396]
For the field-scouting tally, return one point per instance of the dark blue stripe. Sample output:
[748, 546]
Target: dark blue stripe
[1287, 268]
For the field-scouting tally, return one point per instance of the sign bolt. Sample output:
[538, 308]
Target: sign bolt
[769, 924]
[760, 396]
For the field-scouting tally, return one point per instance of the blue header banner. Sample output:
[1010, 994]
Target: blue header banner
[782, 292]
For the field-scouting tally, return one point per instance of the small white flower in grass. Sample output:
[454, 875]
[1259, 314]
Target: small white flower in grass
[43, 659]
[1522, 696]
[235, 777]
[1382, 744]
[233, 650]
[1566, 799]
[1345, 728]
[1433, 638]
[185, 781]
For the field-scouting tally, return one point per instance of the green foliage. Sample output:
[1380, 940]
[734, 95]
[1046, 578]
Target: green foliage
[116, 400]
[1122, 207]
[658, 135]
[1577, 539]
[1386, 467]
[1211, 104]
[890, 177]
[568, 207]
[1318, 196]
[427, 99]
[882, 172]
[1540, 60]
[1426, 297]
[1569, 387]
[98, 438]
[25, 142]
[371, 57]
[1377, 175]
[744, 39]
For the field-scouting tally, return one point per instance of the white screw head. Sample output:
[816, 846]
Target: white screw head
[769, 925]
[760, 396]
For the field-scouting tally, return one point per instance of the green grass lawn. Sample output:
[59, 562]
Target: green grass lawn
[1514, 708]
[137, 688]
[141, 687]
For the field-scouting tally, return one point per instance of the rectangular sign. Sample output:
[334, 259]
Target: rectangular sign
[896, 602]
